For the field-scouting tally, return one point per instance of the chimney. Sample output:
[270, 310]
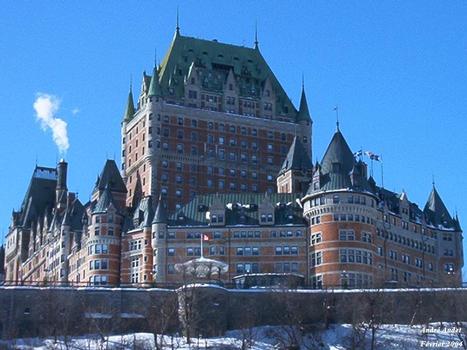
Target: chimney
[61, 189]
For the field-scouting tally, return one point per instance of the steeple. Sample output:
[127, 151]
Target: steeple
[160, 217]
[256, 37]
[177, 28]
[303, 112]
[435, 211]
[154, 87]
[338, 156]
[130, 107]
[297, 158]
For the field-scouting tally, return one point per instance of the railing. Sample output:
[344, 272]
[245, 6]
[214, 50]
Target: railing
[171, 285]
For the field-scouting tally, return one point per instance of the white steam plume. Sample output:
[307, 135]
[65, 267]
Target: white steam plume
[46, 107]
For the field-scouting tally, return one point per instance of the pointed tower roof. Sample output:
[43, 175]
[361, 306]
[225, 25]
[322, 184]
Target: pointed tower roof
[435, 211]
[160, 217]
[155, 87]
[303, 112]
[130, 107]
[110, 177]
[297, 158]
[148, 212]
[339, 152]
[337, 164]
[104, 201]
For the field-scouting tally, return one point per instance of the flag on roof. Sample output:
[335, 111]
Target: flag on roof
[358, 153]
[373, 156]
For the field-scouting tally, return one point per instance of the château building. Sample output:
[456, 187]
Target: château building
[215, 150]
[212, 118]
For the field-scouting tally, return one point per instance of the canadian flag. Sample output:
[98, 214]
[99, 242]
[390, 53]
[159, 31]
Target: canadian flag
[205, 237]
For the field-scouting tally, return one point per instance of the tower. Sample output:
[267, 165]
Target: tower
[296, 170]
[212, 118]
[159, 236]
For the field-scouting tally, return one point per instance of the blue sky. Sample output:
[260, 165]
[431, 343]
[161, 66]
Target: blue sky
[396, 69]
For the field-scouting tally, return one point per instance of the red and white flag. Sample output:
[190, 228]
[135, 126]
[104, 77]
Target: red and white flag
[205, 237]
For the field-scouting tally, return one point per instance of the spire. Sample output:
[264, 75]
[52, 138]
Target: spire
[130, 107]
[297, 158]
[104, 201]
[177, 29]
[336, 109]
[110, 177]
[148, 213]
[256, 36]
[435, 211]
[160, 217]
[155, 87]
[303, 112]
[338, 152]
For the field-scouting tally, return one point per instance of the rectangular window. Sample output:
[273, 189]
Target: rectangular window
[316, 258]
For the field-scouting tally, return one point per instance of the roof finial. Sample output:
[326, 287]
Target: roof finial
[131, 83]
[303, 81]
[433, 180]
[155, 57]
[256, 35]
[337, 117]
[177, 29]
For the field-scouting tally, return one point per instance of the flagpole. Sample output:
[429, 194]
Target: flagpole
[202, 236]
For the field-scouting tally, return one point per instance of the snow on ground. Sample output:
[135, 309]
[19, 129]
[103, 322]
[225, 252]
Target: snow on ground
[337, 337]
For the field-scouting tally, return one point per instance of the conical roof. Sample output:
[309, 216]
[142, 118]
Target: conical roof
[155, 87]
[110, 177]
[297, 158]
[336, 166]
[161, 215]
[338, 152]
[436, 212]
[303, 112]
[148, 213]
[104, 201]
[130, 108]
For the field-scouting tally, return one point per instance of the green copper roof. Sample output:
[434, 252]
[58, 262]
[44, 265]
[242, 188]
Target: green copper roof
[303, 112]
[130, 108]
[154, 87]
[241, 209]
[214, 60]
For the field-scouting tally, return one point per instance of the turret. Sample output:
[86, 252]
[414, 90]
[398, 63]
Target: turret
[130, 108]
[159, 234]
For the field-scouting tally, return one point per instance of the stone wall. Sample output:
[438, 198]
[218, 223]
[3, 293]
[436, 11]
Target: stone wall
[211, 310]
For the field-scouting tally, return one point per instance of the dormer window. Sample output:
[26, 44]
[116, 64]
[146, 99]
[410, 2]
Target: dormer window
[269, 217]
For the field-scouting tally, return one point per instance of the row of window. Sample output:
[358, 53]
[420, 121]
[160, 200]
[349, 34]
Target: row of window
[286, 250]
[100, 264]
[98, 232]
[98, 249]
[336, 199]
[406, 259]
[284, 234]
[406, 241]
[354, 217]
[355, 256]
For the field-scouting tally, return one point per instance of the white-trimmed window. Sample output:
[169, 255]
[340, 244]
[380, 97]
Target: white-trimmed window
[316, 238]
[316, 258]
[346, 235]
